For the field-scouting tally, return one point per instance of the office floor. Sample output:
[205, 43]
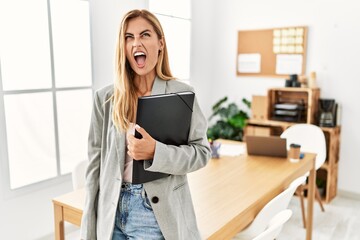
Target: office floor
[340, 221]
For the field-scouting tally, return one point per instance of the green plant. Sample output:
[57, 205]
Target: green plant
[320, 183]
[231, 120]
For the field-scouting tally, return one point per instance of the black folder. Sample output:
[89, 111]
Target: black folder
[167, 118]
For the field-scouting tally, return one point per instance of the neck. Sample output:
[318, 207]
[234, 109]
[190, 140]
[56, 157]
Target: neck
[144, 84]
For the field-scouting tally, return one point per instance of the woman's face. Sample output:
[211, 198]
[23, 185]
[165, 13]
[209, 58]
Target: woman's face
[142, 46]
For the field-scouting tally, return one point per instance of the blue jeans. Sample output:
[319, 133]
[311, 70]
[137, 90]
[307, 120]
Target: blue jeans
[135, 218]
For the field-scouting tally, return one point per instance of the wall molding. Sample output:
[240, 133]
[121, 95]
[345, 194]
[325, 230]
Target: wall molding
[348, 194]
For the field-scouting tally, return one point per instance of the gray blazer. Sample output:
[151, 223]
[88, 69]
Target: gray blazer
[170, 197]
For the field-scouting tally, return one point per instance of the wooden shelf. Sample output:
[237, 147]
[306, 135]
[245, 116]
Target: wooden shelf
[306, 98]
[325, 166]
[331, 166]
[270, 123]
[329, 170]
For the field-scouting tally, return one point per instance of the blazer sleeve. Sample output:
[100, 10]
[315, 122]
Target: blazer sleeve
[88, 223]
[179, 160]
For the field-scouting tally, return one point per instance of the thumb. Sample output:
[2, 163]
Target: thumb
[142, 131]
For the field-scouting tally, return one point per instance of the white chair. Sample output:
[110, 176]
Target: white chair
[78, 181]
[275, 226]
[276, 205]
[312, 139]
[78, 174]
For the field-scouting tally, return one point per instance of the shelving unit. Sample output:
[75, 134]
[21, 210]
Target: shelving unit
[331, 165]
[329, 171]
[306, 98]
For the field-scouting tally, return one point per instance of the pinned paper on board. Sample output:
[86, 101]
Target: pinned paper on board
[257, 52]
[289, 63]
[288, 40]
[249, 63]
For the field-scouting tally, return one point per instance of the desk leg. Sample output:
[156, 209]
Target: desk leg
[59, 222]
[310, 199]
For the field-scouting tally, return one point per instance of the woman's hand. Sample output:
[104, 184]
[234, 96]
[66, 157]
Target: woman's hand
[141, 149]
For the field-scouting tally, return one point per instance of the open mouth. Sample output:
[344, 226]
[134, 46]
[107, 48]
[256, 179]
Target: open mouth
[140, 58]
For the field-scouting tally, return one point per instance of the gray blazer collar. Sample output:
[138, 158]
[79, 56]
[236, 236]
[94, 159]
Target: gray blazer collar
[159, 86]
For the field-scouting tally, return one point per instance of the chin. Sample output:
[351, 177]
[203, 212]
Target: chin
[141, 73]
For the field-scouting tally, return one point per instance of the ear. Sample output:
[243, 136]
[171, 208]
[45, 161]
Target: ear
[161, 43]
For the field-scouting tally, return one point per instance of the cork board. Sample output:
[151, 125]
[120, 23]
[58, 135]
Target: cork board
[275, 52]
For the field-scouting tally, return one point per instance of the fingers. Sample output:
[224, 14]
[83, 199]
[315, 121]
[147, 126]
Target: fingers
[142, 131]
[141, 149]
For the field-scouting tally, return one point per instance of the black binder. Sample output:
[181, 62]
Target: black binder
[167, 118]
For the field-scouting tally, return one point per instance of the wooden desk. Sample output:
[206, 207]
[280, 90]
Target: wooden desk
[68, 208]
[227, 193]
[230, 191]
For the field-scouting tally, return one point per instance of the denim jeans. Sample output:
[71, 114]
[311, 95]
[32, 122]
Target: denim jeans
[135, 218]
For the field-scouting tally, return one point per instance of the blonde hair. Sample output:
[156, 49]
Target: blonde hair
[125, 96]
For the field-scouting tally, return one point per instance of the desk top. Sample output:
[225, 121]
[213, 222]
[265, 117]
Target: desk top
[73, 200]
[228, 192]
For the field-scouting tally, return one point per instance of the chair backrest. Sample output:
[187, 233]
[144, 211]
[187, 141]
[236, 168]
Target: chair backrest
[276, 205]
[275, 226]
[310, 137]
[78, 174]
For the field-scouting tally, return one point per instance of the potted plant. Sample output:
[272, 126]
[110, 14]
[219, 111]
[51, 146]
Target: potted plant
[321, 184]
[231, 121]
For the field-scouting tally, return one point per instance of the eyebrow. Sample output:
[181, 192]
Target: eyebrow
[146, 30]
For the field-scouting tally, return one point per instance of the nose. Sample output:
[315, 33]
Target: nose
[137, 42]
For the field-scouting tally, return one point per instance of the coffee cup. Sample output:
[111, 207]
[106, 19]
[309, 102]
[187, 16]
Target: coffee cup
[294, 152]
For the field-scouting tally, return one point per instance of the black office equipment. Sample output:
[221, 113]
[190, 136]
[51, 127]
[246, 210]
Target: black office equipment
[327, 112]
[289, 111]
[167, 118]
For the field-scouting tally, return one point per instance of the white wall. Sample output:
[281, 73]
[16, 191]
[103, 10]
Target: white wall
[202, 42]
[334, 34]
[333, 52]
[28, 213]
[105, 20]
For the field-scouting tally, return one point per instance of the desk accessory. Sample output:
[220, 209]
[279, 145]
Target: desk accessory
[327, 112]
[294, 152]
[272, 146]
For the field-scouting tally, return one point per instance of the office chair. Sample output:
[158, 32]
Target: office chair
[78, 182]
[275, 226]
[312, 139]
[78, 174]
[273, 207]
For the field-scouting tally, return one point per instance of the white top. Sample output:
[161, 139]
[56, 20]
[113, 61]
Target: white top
[128, 160]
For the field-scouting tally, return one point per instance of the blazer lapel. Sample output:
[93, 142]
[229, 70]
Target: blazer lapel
[119, 138]
[159, 86]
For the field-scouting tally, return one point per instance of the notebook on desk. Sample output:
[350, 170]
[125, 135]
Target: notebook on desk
[272, 146]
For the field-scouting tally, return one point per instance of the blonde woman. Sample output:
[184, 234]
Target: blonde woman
[114, 207]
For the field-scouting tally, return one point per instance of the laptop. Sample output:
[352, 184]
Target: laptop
[272, 146]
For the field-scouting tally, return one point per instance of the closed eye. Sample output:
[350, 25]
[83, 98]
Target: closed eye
[128, 36]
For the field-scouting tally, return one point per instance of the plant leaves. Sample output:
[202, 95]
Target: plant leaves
[216, 108]
[246, 102]
[238, 121]
[218, 104]
[231, 121]
[232, 110]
